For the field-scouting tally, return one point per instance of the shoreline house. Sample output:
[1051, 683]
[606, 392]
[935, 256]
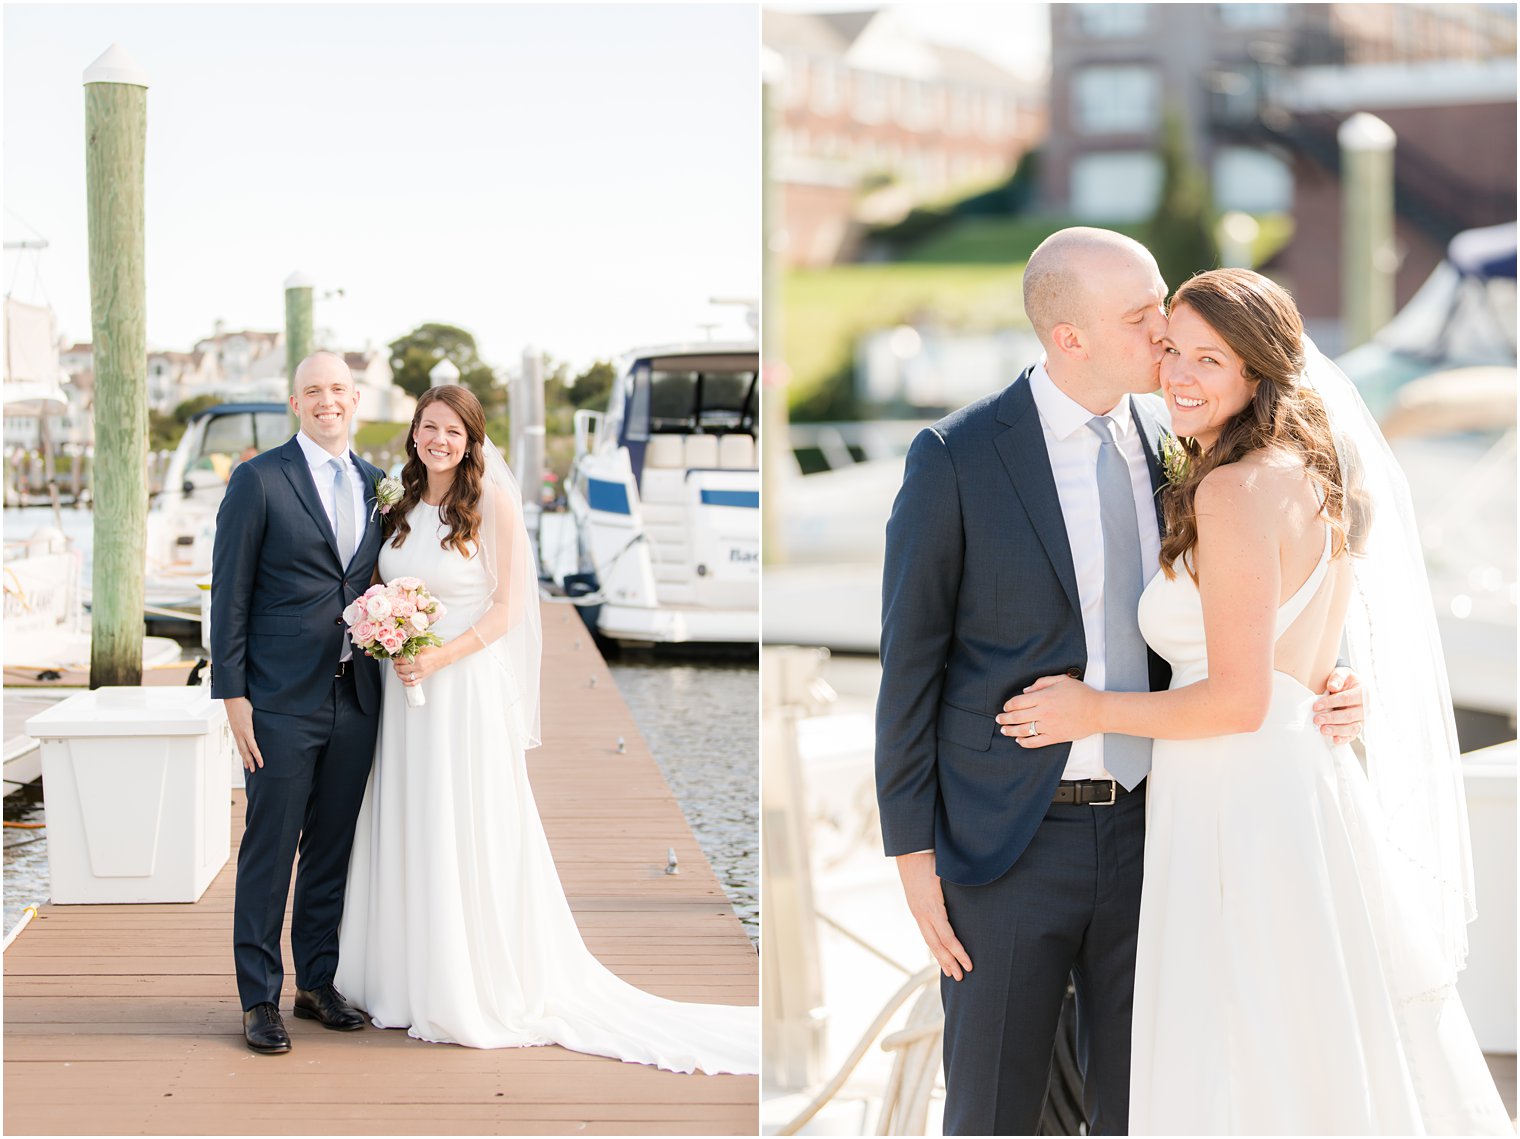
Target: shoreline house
[1260, 90]
[872, 119]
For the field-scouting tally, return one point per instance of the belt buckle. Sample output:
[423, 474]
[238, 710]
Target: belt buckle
[342, 669]
[1113, 795]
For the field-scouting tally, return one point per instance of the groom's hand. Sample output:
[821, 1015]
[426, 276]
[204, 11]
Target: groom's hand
[1338, 711]
[240, 717]
[926, 900]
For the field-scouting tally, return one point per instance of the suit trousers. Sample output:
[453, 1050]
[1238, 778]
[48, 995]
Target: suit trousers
[305, 799]
[1068, 908]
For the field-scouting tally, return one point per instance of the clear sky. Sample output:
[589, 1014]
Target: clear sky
[578, 178]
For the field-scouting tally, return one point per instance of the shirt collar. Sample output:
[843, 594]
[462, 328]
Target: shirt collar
[1064, 416]
[316, 455]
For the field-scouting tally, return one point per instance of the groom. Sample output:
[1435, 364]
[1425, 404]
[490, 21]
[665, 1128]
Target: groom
[1007, 560]
[297, 537]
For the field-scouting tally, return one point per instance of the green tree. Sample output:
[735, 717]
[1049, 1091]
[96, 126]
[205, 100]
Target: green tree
[592, 387]
[1181, 232]
[416, 354]
[183, 411]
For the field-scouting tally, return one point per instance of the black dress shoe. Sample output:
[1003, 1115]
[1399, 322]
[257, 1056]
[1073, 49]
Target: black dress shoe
[264, 1030]
[326, 1005]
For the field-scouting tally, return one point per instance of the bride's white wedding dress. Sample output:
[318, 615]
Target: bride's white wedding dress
[455, 925]
[1279, 989]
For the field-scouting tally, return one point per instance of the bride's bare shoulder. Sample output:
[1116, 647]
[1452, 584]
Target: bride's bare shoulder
[1257, 487]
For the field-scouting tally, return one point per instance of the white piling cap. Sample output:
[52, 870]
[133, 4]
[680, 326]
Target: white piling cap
[300, 280]
[116, 66]
[444, 372]
[1365, 132]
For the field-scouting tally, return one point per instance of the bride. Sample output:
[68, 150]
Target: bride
[1302, 921]
[456, 926]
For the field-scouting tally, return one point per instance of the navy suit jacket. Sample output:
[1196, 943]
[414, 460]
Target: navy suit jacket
[979, 599]
[278, 590]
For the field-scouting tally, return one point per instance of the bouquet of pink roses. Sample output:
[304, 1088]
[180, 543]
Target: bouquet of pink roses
[395, 620]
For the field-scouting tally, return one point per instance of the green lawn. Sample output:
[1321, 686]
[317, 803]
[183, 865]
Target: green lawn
[968, 276]
[377, 435]
[826, 310]
[996, 241]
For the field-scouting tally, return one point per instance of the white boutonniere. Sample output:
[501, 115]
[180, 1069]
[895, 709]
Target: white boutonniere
[1174, 458]
[388, 492]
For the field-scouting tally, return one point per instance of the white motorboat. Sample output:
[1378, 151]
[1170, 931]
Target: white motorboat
[665, 493]
[182, 521]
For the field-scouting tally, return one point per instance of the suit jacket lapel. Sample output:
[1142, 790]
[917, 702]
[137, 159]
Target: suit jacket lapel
[372, 528]
[298, 471]
[1022, 448]
[1151, 430]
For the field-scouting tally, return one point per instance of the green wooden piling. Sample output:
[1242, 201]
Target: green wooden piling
[116, 128]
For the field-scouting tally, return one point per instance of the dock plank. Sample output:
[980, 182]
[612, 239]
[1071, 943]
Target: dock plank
[125, 1019]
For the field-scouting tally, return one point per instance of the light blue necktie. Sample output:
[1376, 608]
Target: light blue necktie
[343, 505]
[1127, 669]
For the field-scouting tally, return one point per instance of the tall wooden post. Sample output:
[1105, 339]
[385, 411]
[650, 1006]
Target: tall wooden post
[298, 324]
[1368, 257]
[116, 128]
[775, 446]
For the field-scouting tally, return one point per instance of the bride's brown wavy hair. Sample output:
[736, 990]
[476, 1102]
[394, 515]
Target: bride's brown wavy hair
[1259, 322]
[460, 509]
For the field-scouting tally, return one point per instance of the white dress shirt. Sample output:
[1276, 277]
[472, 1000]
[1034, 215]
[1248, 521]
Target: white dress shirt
[1073, 448]
[320, 460]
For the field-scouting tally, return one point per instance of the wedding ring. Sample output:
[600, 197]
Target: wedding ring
[1033, 730]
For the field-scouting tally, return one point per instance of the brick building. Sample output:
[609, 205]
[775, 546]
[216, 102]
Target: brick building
[872, 119]
[1260, 90]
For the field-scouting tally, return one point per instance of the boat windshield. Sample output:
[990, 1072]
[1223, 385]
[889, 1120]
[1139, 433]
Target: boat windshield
[229, 439]
[711, 395]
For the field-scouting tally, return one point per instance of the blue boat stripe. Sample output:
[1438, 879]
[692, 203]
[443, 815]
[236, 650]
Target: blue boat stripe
[609, 497]
[749, 498]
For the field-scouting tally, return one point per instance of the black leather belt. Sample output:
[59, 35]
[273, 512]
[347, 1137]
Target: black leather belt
[344, 666]
[1089, 792]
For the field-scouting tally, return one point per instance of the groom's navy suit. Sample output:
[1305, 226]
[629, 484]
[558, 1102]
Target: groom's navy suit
[278, 591]
[979, 600]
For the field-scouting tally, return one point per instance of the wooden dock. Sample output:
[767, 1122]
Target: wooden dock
[125, 1019]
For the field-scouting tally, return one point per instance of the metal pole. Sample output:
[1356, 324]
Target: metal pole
[298, 324]
[1368, 256]
[793, 1010]
[531, 473]
[775, 447]
[116, 128]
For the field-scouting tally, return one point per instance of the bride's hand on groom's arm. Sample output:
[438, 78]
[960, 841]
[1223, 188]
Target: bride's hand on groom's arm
[1339, 710]
[926, 900]
[1052, 710]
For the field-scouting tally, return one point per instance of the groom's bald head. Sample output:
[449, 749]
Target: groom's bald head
[1066, 273]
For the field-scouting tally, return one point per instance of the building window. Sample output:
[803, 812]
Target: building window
[1112, 21]
[1252, 15]
[1115, 186]
[870, 97]
[824, 87]
[1254, 181]
[1116, 100]
[794, 80]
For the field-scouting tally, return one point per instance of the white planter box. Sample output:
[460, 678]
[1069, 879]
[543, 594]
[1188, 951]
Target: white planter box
[135, 785]
[1487, 985]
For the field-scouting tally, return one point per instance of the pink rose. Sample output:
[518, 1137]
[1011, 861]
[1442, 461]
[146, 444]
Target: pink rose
[391, 641]
[378, 607]
[407, 583]
[364, 633]
[353, 614]
[403, 609]
[373, 591]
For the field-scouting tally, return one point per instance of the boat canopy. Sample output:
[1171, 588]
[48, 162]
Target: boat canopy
[712, 394]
